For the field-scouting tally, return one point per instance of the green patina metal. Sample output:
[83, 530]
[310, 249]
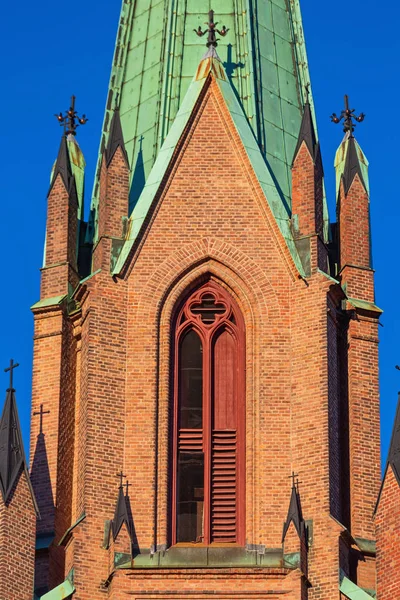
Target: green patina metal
[157, 53]
[292, 560]
[205, 557]
[352, 591]
[368, 306]
[54, 301]
[78, 171]
[78, 164]
[62, 591]
[67, 534]
[279, 209]
[340, 163]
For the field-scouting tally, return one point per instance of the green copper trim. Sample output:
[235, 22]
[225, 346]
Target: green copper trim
[366, 546]
[352, 591]
[78, 164]
[62, 591]
[279, 209]
[70, 529]
[157, 53]
[364, 305]
[54, 301]
[340, 162]
[207, 557]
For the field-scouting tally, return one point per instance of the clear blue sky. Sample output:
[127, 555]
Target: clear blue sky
[47, 56]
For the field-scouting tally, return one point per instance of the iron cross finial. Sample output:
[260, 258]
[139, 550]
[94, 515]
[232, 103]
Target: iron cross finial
[10, 369]
[347, 115]
[293, 477]
[71, 121]
[212, 31]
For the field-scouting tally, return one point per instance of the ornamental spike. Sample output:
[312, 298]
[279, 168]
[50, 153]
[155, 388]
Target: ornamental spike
[347, 116]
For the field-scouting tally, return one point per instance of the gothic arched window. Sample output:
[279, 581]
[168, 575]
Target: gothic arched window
[208, 420]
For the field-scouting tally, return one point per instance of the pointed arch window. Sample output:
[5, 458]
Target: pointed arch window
[208, 420]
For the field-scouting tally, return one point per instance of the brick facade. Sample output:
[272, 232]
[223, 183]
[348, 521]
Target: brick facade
[17, 542]
[102, 368]
[387, 522]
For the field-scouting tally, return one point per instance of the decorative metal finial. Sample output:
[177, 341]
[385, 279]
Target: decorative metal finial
[10, 369]
[293, 477]
[71, 121]
[347, 115]
[212, 31]
[121, 477]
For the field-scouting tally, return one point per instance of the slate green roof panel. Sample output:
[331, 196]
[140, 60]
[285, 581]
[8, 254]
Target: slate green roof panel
[61, 592]
[352, 591]
[157, 54]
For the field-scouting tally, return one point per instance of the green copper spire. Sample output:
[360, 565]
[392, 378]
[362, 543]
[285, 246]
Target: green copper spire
[157, 54]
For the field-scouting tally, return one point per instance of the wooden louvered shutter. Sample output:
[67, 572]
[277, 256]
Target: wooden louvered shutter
[209, 416]
[223, 439]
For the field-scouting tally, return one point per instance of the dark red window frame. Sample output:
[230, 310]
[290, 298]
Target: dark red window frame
[218, 446]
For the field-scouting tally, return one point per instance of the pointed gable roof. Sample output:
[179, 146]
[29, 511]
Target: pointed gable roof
[121, 515]
[352, 166]
[307, 133]
[12, 457]
[264, 55]
[62, 166]
[394, 448]
[393, 458]
[115, 139]
[294, 515]
[209, 67]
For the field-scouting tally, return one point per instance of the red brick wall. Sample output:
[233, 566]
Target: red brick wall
[364, 422]
[61, 242]
[304, 204]
[17, 543]
[387, 522]
[335, 496]
[49, 448]
[113, 203]
[307, 204]
[354, 241]
[210, 219]
[354, 226]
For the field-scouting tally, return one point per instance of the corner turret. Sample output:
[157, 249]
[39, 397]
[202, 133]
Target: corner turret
[353, 217]
[308, 196]
[113, 202]
[18, 509]
[387, 520]
[294, 537]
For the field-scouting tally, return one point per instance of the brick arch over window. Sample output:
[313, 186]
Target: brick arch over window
[208, 448]
[245, 281]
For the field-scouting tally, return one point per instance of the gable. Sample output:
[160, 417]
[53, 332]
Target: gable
[212, 192]
[226, 133]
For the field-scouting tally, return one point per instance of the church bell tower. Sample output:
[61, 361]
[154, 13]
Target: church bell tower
[205, 348]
